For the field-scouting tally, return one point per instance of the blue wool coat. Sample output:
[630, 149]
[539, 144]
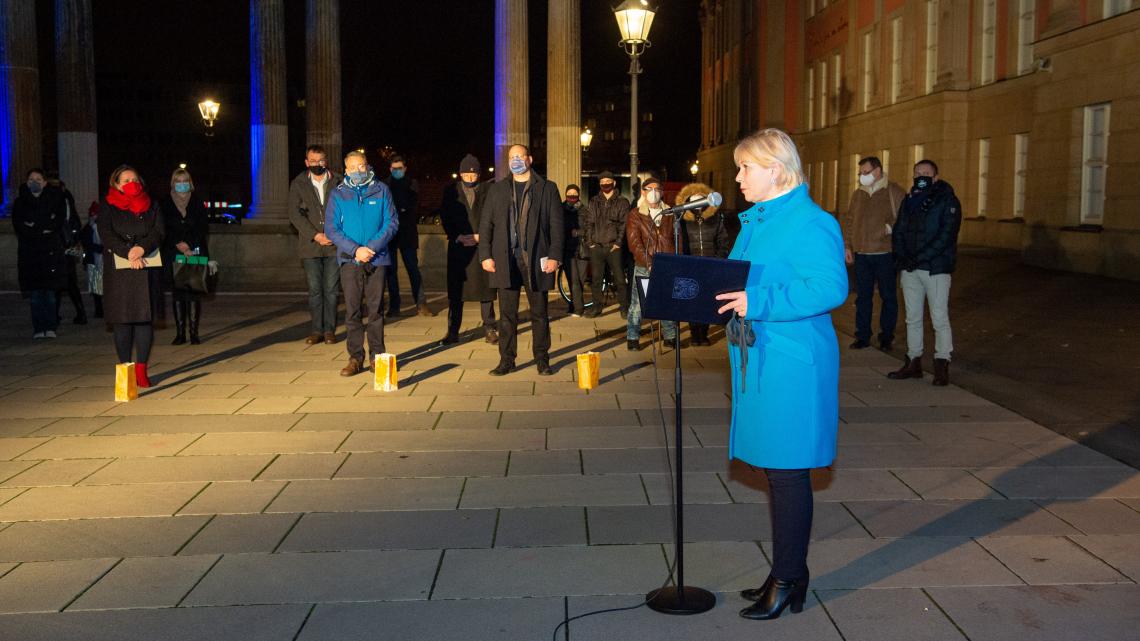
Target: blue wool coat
[787, 414]
[361, 216]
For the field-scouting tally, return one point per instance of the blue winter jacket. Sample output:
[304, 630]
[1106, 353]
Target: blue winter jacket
[785, 399]
[361, 217]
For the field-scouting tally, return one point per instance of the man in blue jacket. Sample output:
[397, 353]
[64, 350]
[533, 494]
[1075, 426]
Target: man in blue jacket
[361, 220]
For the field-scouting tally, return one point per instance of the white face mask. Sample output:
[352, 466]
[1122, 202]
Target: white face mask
[653, 197]
[866, 180]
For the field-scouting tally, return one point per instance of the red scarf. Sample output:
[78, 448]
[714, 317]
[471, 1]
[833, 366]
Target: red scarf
[137, 202]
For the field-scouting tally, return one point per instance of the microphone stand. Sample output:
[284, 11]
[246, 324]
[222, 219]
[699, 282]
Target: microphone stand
[679, 598]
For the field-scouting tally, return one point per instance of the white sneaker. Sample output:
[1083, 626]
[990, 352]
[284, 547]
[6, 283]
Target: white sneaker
[39, 335]
[50, 334]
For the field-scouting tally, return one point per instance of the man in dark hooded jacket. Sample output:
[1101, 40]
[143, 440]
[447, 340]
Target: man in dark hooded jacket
[925, 246]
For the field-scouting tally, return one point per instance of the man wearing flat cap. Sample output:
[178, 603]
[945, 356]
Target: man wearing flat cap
[466, 280]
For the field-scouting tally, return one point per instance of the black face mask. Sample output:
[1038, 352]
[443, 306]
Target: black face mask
[317, 170]
[922, 183]
[607, 188]
[470, 184]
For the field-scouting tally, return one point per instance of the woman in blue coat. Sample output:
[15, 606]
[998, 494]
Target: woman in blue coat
[783, 352]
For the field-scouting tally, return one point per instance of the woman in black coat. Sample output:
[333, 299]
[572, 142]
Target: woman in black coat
[130, 225]
[703, 233]
[188, 234]
[38, 215]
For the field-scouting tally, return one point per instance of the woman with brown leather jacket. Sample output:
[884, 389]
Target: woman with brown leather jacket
[648, 230]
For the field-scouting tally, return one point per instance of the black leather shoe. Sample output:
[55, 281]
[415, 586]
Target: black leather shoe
[632, 345]
[859, 344]
[544, 369]
[886, 345]
[450, 339]
[755, 594]
[779, 594]
[503, 369]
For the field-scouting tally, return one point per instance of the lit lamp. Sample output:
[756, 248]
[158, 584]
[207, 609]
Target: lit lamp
[587, 137]
[634, 18]
[209, 110]
[694, 168]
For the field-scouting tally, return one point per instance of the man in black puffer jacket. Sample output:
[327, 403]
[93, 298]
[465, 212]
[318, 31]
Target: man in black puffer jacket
[925, 247]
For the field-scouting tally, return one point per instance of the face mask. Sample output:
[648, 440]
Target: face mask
[572, 199]
[518, 166]
[398, 174]
[470, 184]
[360, 177]
[35, 187]
[182, 188]
[317, 170]
[866, 180]
[132, 189]
[922, 183]
[607, 188]
[653, 197]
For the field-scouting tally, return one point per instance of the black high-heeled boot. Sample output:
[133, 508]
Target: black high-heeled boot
[179, 322]
[755, 594]
[195, 309]
[779, 594]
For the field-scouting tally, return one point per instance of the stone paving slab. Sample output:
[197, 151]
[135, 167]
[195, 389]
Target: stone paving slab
[250, 579]
[99, 501]
[1072, 483]
[549, 571]
[545, 462]
[553, 491]
[241, 533]
[348, 495]
[946, 484]
[377, 403]
[453, 620]
[615, 438]
[449, 440]
[97, 538]
[1122, 552]
[213, 424]
[171, 469]
[48, 586]
[463, 419]
[1044, 560]
[888, 615]
[16, 427]
[287, 467]
[246, 623]
[423, 464]
[414, 530]
[111, 446]
[176, 407]
[381, 421]
[234, 497]
[63, 472]
[265, 443]
[11, 448]
[152, 582]
[75, 426]
[889, 519]
[569, 418]
[1096, 516]
[1044, 613]
[541, 526]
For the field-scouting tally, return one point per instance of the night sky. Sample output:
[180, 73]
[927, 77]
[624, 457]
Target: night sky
[417, 76]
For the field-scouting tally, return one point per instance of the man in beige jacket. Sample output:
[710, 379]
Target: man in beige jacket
[867, 236]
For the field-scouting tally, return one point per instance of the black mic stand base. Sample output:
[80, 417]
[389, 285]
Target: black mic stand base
[681, 600]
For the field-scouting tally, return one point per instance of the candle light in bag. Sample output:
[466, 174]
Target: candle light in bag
[384, 371]
[588, 365]
[126, 385]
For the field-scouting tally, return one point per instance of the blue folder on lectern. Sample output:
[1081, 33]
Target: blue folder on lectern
[684, 288]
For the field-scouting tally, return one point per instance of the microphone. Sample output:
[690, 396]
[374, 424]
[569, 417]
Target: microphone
[712, 200]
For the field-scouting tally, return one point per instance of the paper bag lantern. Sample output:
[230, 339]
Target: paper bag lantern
[384, 371]
[588, 365]
[126, 386]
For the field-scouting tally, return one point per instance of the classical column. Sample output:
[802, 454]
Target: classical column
[1062, 16]
[512, 123]
[322, 76]
[75, 100]
[564, 93]
[953, 45]
[20, 133]
[268, 127]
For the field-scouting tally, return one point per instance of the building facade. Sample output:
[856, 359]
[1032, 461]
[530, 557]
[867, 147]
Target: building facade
[1029, 107]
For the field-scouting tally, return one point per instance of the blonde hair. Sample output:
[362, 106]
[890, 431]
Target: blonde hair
[180, 173]
[772, 147]
[355, 154]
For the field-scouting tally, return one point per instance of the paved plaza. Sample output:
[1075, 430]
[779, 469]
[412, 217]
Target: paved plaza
[256, 495]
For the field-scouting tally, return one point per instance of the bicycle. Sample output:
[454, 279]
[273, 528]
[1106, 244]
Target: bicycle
[562, 279]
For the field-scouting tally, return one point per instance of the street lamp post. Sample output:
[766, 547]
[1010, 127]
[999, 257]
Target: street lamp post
[586, 138]
[634, 18]
[209, 111]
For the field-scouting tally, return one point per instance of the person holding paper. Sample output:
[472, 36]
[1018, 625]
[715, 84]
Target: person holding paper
[520, 244]
[649, 231]
[130, 225]
[783, 352]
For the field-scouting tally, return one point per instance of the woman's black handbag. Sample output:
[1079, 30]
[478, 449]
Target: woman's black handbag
[192, 274]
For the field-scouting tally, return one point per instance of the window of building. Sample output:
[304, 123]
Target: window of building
[833, 186]
[824, 94]
[896, 59]
[647, 116]
[625, 134]
[885, 157]
[609, 135]
[917, 153]
[1026, 33]
[989, 41]
[822, 180]
[1095, 164]
[1020, 160]
[983, 175]
[592, 123]
[837, 86]
[868, 70]
[810, 97]
[931, 71]
[853, 175]
[1116, 7]
[610, 106]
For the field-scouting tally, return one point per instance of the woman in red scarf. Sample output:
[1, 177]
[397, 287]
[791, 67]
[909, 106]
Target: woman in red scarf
[131, 228]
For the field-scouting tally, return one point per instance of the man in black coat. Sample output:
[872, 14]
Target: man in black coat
[466, 280]
[406, 196]
[520, 244]
[308, 195]
[925, 246]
